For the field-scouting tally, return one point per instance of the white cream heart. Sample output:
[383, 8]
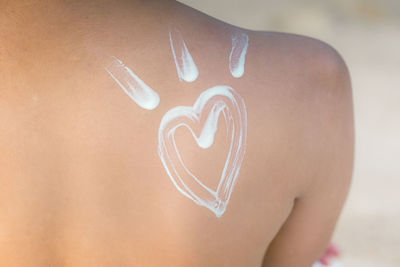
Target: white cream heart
[210, 104]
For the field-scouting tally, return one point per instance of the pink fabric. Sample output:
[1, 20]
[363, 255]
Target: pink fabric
[331, 254]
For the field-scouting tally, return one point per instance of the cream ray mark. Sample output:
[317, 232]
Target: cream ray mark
[185, 66]
[132, 85]
[237, 57]
[211, 103]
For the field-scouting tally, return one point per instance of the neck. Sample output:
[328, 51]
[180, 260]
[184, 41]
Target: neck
[28, 15]
[13, 7]
[37, 21]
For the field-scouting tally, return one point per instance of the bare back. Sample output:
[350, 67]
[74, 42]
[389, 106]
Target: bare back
[90, 177]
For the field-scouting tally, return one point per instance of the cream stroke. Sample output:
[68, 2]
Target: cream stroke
[237, 57]
[132, 85]
[210, 104]
[185, 66]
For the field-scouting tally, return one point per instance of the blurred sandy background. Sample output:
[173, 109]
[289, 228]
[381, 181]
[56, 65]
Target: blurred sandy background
[367, 34]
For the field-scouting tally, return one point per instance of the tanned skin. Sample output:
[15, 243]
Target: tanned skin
[81, 180]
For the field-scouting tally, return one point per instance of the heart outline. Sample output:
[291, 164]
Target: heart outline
[216, 100]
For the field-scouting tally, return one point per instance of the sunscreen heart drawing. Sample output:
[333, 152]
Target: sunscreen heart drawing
[201, 120]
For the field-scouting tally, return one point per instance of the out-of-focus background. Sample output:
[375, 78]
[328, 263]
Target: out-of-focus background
[367, 34]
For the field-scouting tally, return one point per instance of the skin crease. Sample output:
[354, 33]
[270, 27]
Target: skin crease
[81, 181]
